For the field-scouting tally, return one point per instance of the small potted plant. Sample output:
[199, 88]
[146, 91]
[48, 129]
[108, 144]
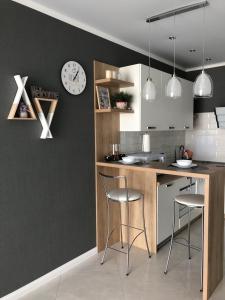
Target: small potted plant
[121, 100]
[23, 110]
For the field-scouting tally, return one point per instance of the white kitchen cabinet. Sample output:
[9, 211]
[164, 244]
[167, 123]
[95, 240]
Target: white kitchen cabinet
[165, 199]
[162, 114]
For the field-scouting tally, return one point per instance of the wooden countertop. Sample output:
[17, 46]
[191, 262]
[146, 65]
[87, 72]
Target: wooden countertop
[204, 170]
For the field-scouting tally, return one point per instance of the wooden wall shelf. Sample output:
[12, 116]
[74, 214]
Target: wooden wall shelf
[111, 82]
[112, 110]
[21, 93]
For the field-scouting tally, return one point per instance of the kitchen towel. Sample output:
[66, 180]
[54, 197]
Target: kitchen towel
[146, 147]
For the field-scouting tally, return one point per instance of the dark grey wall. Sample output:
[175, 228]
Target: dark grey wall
[47, 201]
[218, 99]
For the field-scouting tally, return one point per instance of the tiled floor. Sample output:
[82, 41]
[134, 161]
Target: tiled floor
[92, 281]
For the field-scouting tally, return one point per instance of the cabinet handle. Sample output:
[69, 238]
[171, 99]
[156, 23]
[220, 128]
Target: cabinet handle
[151, 127]
[171, 127]
[187, 187]
[186, 127]
[169, 184]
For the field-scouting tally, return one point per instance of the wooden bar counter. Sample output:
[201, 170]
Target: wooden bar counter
[144, 178]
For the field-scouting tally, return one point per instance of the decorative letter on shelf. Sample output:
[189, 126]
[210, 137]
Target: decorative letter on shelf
[45, 122]
[21, 92]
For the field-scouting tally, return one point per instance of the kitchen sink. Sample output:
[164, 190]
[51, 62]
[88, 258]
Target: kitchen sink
[147, 157]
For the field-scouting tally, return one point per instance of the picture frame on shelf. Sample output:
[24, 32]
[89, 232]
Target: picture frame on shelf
[103, 97]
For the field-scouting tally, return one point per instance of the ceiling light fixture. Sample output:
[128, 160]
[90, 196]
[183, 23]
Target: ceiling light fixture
[203, 86]
[173, 87]
[149, 90]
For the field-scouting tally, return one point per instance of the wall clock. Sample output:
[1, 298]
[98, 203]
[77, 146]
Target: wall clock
[73, 77]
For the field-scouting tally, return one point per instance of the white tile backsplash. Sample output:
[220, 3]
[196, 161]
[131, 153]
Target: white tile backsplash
[206, 140]
[161, 141]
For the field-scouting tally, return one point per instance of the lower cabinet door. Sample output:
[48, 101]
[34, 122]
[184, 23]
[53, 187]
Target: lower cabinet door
[166, 194]
[165, 199]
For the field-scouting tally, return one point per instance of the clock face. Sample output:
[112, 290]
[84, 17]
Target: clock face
[73, 77]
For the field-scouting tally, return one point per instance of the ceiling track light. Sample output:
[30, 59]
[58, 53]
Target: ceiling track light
[177, 11]
[203, 86]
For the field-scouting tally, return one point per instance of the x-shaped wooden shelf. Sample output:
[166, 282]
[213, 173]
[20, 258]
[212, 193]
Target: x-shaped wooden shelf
[45, 122]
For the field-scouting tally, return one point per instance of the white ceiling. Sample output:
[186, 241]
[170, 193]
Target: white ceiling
[124, 21]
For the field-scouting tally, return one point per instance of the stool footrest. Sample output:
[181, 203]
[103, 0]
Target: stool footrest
[117, 250]
[186, 245]
[112, 248]
[132, 227]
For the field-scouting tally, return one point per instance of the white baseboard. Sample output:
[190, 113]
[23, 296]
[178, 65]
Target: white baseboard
[49, 276]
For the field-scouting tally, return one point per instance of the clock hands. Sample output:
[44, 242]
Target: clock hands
[75, 75]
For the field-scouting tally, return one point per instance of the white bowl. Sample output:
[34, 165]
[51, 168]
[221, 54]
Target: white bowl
[129, 159]
[184, 162]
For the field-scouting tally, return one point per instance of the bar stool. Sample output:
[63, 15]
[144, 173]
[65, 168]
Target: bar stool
[122, 195]
[191, 201]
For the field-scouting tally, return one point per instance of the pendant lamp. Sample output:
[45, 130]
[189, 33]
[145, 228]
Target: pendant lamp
[173, 87]
[203, 85]
[149, 90]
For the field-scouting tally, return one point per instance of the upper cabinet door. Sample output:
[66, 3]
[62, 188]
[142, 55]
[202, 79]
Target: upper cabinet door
[151, 112]
[187, 104]
[162, 114]
[170, 106]
[178, 112]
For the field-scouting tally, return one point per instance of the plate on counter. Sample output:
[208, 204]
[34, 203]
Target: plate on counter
[128, 163]
[181, 167]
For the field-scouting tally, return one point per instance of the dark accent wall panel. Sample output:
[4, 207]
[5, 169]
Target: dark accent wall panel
[218, 99]
[47, 190]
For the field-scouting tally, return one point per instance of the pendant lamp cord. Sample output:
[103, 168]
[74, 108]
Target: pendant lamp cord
[203, 38]
[149, 52]
[174, 44]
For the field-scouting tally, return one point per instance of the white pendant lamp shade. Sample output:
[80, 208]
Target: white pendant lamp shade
[149, 90]
[174, 88]
[203, 86]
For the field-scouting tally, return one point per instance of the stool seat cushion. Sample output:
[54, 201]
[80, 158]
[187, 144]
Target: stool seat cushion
[191, 200]
[121, 195]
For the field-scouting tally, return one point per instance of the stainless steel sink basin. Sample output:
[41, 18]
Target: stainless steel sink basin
[147, 157]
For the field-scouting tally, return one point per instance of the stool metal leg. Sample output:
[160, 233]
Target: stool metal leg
[128, 238]
[121, 229]
[202, 254]
[171, 241]
[143, 213]
[108, 233]
[189, 232]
